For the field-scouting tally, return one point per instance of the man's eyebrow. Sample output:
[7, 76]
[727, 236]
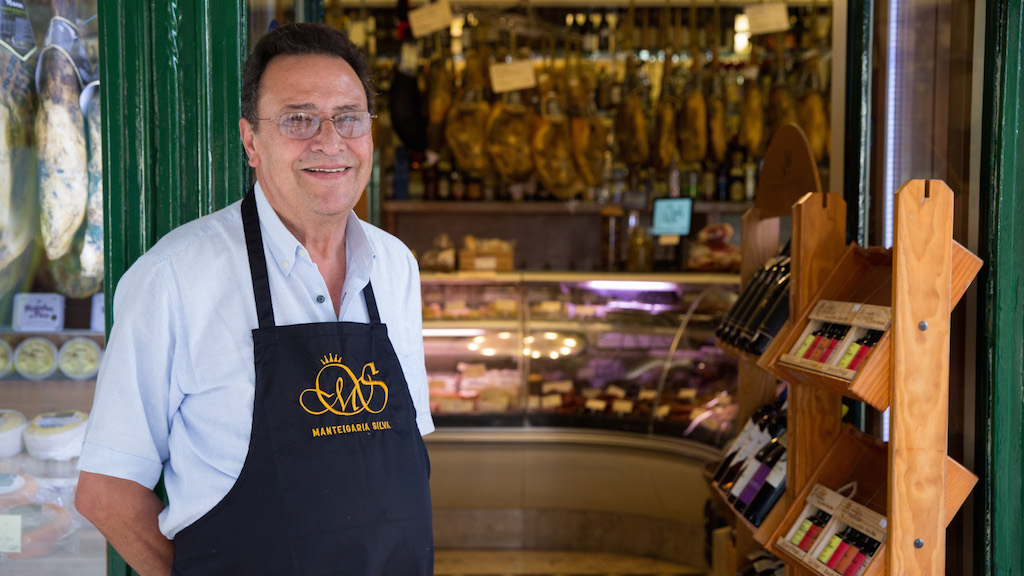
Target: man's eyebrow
[310, 107]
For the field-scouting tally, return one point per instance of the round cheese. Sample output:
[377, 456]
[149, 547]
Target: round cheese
[16, 489]
[80, 358]
[56, 435]
[43, 525]
[35, 358]
[6, 358]
[12, 426]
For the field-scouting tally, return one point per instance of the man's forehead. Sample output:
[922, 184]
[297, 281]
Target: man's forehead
[307, 90]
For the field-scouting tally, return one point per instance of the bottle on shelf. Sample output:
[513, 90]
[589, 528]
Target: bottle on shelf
[774, 452]
[640, 246]
[773, 488]
[777, 290]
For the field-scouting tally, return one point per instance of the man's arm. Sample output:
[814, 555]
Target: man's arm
[125, 512]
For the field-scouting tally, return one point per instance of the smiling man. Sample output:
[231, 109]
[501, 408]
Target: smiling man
[236, 344]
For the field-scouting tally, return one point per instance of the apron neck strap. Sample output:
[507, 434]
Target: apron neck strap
[257, 261]
[371, 303]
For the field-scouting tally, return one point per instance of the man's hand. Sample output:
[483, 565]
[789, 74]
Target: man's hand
[125, 512]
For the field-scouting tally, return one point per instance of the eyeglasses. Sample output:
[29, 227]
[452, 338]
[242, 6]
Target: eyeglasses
[303, 125]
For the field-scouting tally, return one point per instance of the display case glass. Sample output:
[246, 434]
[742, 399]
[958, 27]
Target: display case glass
[609, 351]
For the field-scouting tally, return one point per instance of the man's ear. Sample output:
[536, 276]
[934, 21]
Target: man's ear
[245, 129]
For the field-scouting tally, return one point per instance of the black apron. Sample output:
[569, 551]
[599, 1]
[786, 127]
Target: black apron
[336, 478]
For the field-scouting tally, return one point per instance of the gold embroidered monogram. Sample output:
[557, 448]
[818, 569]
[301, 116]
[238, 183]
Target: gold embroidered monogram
[350, 395]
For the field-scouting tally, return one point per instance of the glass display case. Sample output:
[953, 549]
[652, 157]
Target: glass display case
[627, 352]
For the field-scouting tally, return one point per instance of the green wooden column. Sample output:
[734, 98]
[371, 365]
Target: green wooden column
[1001, 353]
[171, 79]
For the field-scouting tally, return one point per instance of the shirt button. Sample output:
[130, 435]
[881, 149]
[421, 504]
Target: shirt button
[286, 264]
[320, 298]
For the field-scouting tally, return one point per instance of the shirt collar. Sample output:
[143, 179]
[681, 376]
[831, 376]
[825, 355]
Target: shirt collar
[285, 250]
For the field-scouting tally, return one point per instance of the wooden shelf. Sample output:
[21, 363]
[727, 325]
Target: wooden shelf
[686, 278]
[571, 207]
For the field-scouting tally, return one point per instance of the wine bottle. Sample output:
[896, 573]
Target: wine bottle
[777, 450]
[746, 435]
[747, 299]
[779, 285]
[861, 560]
[876, 335]
[772, 322]
[738, 464]
[773, 489]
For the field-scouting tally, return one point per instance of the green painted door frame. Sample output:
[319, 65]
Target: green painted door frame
[170, 73]
[1001, 324]
[171, 82]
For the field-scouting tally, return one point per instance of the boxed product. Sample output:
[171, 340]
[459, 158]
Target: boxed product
[838, 337]
[820, 506]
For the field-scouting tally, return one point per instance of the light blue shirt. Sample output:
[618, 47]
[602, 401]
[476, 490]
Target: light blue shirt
[175, 390]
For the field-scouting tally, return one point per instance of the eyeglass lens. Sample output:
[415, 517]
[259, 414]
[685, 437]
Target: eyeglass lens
[302, 126]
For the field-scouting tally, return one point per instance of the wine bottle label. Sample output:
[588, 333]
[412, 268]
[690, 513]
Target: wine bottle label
[750, 468]
[847, 559]
[830, 549]
[798, 536]
[844, 362]
[753, 486]
[810, 349]
[859, 357]
[855, 566]
[804, 346]
[810, 537]
[778, 472]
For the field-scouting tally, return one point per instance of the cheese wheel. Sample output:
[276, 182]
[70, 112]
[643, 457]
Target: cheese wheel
[12, 427]
[35, 358]
[56, 435]
[42, 527]
[6, 358]
[80, 358]
[16, 489]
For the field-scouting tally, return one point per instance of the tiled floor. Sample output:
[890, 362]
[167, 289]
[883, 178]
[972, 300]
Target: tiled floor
[550, 563]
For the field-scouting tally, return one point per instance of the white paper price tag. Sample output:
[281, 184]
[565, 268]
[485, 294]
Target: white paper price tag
[430, 18]
[622, 406]
[647, 395]
[767, 18]
[511, 76]
[473, 370]
[38, 312]
[596, 405]
[615, 391]
[551, 401]
[10, 533]
[687, 394]
[97, 317]
[557, 387]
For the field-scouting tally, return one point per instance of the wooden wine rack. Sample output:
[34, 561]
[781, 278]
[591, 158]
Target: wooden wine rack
[917, 487]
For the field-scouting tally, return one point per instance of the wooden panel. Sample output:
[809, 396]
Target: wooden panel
[922, 272]
[760, 239]
[789, 171]
[818, 242]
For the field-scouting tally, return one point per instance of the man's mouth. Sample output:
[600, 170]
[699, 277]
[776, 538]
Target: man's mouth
[326, 170]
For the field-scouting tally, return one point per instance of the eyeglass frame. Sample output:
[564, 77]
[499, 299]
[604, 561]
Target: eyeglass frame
[319, 123]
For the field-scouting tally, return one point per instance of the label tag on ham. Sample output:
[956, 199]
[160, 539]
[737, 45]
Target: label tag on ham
[430, 18]
[10, 533]
[767, 18]
[512, 76]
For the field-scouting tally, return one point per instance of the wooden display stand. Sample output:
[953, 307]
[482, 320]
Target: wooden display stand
[911, 481]
[921, 280]
[789, 185]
